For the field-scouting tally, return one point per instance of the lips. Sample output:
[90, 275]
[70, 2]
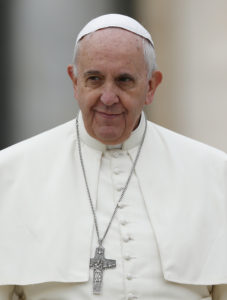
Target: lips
[108, 114]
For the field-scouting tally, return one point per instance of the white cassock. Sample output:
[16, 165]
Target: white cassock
[169, 236]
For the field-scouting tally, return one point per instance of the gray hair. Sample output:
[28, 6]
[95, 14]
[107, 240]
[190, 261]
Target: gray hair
[149, 57]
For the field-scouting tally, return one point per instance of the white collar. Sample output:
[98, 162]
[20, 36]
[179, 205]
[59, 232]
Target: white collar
[133, 140]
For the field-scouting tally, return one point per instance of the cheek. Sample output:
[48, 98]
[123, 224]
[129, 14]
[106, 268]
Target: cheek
[86, 109]
[134, 108]
[86, 99]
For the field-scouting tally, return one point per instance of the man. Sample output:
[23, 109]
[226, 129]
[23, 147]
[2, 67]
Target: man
[113, 206]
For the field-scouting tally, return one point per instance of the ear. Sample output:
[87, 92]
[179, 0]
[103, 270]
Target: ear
[153, 83]
[70, 71]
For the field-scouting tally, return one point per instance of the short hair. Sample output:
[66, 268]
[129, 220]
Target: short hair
[149, 57]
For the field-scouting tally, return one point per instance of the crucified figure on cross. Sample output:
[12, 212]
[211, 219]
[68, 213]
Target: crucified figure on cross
[99, 263]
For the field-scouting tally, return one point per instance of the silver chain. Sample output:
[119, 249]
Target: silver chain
[100, 240]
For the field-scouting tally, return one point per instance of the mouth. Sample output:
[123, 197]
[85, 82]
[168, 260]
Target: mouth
[108, 115]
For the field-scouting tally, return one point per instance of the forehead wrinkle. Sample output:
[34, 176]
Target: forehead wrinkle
[109, 44]
[111, 37]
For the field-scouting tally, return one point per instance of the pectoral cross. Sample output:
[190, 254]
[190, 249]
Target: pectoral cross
[99, 263]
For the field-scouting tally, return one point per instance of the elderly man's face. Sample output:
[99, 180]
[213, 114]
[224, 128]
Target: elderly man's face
[111, 85]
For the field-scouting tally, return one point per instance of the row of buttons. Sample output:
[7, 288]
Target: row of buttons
[119, 187]
[123, 222]
[127, 257]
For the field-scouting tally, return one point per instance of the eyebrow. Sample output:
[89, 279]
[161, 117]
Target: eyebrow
[126, 75]
[92, 72]
[96, 72]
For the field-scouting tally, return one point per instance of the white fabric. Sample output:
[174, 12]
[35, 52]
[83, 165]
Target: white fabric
[183, 184]
[114, 20]
[130, 241]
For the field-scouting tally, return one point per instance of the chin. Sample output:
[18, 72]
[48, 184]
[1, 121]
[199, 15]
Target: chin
[108, 135]
[112, 139]
[109, 139]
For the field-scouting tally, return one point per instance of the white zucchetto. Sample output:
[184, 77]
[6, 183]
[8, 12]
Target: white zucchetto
[115, 20]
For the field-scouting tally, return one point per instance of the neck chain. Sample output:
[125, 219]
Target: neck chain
[99, 263]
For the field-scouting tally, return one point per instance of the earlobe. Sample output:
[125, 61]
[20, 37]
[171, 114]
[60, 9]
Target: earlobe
[153, 83]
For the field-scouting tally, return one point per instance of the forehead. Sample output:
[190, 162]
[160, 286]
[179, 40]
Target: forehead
[111, 45]
[114, 40]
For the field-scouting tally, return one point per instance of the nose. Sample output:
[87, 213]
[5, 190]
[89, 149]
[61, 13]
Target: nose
[109, 96]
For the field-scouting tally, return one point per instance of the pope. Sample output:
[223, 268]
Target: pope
[110, 205]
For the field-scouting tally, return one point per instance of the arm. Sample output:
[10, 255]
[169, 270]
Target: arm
[219, 292]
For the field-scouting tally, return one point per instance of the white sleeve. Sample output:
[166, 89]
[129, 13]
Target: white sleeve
[219, 292]
[6, 292]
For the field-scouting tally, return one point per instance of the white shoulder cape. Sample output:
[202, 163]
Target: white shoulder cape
[46, 224]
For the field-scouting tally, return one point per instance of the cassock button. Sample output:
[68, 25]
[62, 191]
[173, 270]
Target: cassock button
[131, 296]
[115, 154]
[123, 222]
[127, 238]
[120, 188]
[127, 257]
[117, 171]
[129, 277]
[121, 205]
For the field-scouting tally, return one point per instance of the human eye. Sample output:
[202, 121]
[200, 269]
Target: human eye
[93, 80]
[125, 80]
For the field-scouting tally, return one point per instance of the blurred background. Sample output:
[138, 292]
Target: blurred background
[37, 40]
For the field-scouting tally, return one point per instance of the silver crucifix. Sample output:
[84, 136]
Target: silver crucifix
[99, 263]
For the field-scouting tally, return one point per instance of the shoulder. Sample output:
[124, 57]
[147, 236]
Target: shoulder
[182, 146]
[41, 143]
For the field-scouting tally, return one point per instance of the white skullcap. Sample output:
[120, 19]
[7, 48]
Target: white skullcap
[115, 20]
